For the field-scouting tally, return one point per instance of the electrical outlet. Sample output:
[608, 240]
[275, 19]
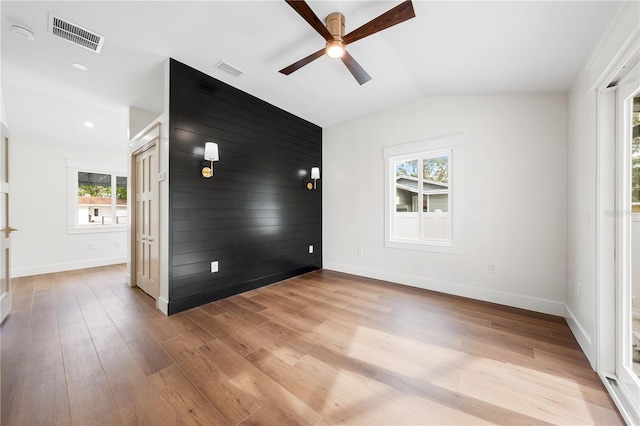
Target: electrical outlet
[311, 249]
[359, 251]
[214, 266]
[492, 268]
[92, 246]
[117, 243]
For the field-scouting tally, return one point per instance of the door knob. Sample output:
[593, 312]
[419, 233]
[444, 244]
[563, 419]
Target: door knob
[10, 230]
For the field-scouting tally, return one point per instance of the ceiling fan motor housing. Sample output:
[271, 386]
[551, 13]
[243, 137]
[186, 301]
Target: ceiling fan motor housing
[335, 25]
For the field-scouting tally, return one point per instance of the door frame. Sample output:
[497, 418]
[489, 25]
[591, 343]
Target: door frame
[147, 140]
[5, 187]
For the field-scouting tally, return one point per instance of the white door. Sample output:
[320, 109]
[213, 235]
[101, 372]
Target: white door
[146, 221]
[627, 253]
[5, 226]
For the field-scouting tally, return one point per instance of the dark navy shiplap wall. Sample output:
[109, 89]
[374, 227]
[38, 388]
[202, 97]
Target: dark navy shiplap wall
[255, 215]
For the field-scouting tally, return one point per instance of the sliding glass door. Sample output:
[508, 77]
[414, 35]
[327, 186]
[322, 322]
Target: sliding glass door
[628, 239]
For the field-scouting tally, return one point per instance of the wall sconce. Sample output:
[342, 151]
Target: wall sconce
[315, 175]
[210, 154]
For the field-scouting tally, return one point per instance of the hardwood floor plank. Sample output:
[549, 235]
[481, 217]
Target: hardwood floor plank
[189, 329]
[81, 361]
[190, 406]
[137, 400]
[248, 303]
[248, 315]
[256, 382]
[306, 344]
[147, 351]
[213, 309]
[92, 403]
[234, 338]
[42, 392]
[234, 403]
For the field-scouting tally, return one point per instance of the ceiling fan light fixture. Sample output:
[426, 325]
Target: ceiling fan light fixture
[335, 49]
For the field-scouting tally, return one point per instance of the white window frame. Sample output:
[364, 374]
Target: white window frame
[73, 168]
[451, 145]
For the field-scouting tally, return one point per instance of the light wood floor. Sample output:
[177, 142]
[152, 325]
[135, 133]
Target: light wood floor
[324, 348]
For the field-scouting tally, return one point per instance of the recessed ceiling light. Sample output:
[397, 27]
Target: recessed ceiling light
[88, 124]
[79, 67]
[23, 32]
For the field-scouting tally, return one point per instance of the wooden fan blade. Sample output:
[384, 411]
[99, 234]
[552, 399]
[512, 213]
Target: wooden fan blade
[398, 14]
[307, 14]
[302, 62]
[356, 70]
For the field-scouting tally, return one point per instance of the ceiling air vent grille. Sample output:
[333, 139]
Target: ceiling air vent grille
[229, 69]
[75, 34]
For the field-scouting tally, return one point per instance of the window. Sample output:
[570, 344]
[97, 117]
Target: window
[97, 198]
[423, 195]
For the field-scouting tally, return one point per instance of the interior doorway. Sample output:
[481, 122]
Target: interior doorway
[144, 184]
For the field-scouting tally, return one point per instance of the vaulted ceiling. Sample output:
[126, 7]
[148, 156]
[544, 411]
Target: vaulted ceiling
[449, 48]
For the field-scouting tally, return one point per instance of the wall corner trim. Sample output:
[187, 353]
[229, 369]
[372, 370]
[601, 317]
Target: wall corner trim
[163, 305]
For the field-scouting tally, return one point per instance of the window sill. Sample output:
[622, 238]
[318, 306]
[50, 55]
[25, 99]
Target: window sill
[432, 247]
[97, 230]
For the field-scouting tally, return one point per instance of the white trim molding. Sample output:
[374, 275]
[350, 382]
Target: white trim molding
[163, 305]
[70, 266]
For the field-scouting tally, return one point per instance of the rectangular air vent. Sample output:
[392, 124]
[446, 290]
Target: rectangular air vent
[75, 33]
[229, 69]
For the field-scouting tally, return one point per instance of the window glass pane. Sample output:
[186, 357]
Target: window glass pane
[435, 187]
[121, 200]
[406, 199]
[406, 185]
[94, 198]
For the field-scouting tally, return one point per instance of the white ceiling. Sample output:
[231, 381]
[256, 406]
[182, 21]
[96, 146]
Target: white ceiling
[450, 48]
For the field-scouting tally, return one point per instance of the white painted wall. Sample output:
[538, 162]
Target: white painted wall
[39, 210]
[139, 119]
[582, 216]
[3, 110]
[514, 199]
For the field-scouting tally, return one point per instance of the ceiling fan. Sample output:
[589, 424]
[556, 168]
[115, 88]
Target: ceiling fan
[337, 42]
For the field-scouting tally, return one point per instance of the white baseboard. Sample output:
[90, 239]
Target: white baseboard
[494, 296]
[163, 305]
[581, 335]
[5, 305]
[70, 266]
